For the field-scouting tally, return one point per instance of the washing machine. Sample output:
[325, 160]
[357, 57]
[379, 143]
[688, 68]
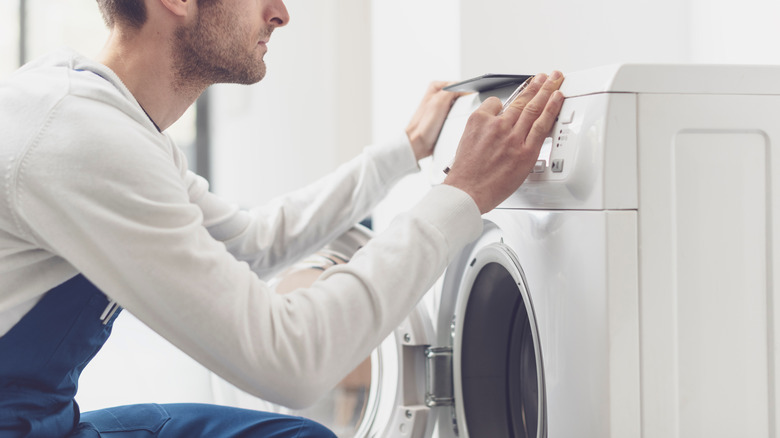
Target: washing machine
[625, 290]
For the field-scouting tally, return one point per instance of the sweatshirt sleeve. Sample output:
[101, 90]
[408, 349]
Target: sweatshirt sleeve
[299, 223]
[114, 205]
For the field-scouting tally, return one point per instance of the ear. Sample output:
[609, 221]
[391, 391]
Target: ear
[179, 8]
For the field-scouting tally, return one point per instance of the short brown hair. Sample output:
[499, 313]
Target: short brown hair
[129, 12]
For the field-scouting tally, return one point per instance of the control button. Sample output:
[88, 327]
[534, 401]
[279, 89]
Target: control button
[557, 165]
[540, 166]
[566, 117]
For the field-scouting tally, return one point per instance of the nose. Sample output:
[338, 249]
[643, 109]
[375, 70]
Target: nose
[276, 13]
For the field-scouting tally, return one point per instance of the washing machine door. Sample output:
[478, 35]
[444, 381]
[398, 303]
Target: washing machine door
[497, 368]
[385, 395]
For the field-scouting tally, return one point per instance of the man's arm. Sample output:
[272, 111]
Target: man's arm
[296, 224]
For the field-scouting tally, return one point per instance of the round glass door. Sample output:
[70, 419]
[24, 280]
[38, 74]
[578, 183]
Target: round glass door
[497, 370]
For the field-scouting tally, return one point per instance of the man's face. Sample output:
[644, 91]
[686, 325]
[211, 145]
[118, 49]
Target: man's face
[227, 41]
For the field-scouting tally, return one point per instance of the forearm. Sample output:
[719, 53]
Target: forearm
[301, 222]
[291, 348]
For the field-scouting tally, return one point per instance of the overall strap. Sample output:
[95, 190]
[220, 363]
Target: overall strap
[42, 356]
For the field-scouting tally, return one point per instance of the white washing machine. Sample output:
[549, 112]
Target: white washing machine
[626, 290]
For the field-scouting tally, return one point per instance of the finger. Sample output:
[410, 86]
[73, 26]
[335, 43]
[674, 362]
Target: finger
[514, 110]
[438, 85]
[534, 109]
[492, 106]
[443, 97]
[542, 125]
[450, 95]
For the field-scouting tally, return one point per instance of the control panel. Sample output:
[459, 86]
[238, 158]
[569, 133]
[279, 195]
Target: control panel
[556, 157]
[557, 154]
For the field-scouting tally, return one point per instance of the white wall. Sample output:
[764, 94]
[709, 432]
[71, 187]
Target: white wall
[735, 32]
[527, 37]
[414, 43]
[310, 113]
[136, 365]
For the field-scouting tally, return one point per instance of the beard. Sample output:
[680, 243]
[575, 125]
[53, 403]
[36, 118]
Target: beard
[211, 51]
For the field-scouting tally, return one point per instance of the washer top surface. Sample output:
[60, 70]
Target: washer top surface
[674, 79]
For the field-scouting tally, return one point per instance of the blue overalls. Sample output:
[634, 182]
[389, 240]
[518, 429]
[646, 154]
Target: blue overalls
[41, 359]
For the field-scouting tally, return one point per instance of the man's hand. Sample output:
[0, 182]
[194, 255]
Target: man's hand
[498, 151]
[425, 126]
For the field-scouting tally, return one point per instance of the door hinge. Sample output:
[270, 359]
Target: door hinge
[438, 377]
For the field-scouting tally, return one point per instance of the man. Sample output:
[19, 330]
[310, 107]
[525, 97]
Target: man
[99, 211]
